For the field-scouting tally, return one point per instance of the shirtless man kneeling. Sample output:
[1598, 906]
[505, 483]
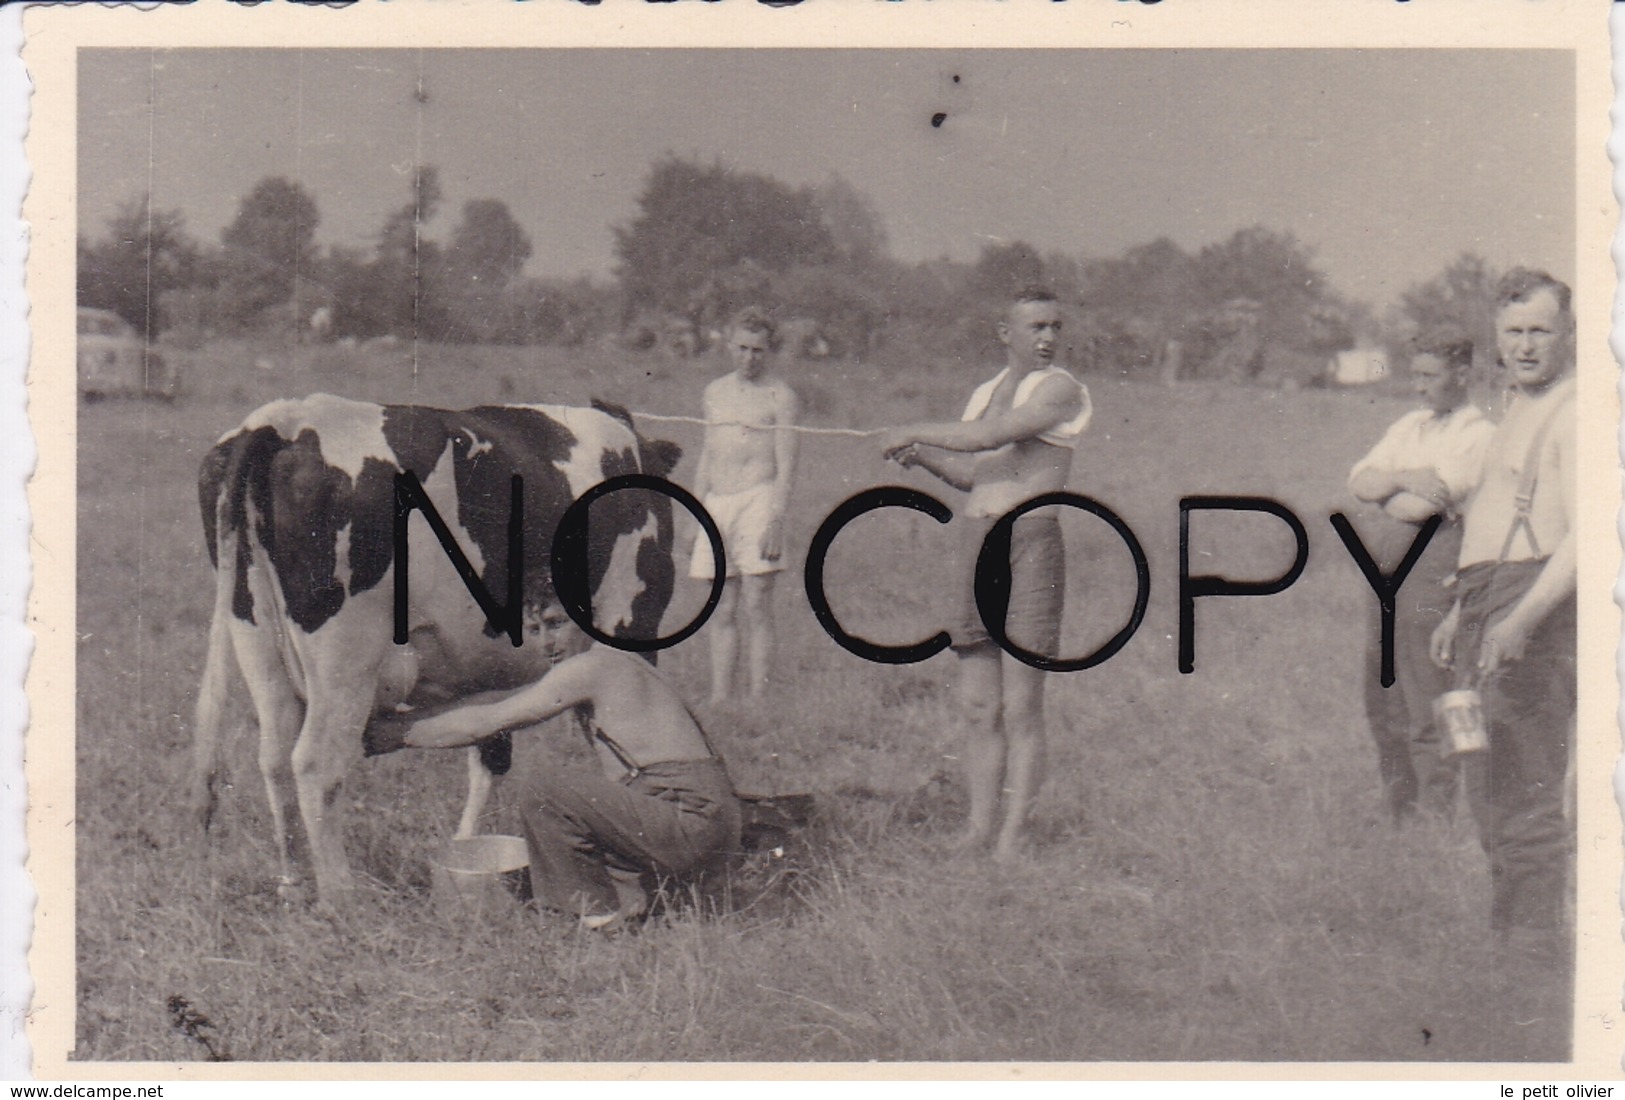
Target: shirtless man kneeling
[744, 480]
[662, 806]
[1013, 443]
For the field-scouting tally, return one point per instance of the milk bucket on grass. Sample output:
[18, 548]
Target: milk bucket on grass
[475, 874]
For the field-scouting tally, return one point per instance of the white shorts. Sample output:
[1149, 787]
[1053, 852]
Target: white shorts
[743, 519]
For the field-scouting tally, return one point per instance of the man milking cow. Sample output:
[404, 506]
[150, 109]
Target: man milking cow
[660, 808]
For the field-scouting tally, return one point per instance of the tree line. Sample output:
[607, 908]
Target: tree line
[706, 239]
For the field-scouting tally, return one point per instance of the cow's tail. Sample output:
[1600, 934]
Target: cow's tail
[211, 705]
[214, 690]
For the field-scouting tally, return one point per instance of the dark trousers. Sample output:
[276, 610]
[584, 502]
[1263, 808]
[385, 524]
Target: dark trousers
[1401, 715]
[1520, 798]
[593, 841]
[1037, 594]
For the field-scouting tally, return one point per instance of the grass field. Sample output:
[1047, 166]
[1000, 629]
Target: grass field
[1213, 877]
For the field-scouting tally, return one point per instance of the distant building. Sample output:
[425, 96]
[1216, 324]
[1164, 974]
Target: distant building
[1360, 366]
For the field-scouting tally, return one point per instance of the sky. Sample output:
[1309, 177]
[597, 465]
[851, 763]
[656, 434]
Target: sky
[1387, 163]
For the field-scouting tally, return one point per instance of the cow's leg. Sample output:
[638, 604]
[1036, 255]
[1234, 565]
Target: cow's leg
[329, 744]
[280, 713]
[479, 791]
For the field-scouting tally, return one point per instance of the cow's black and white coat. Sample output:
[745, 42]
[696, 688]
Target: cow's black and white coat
[298, 508]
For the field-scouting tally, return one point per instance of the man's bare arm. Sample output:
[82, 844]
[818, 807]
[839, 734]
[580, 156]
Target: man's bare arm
[702, 468]
[1442, 646]
[466, 722]
[1505, 639]
[785, 444]
[1056, 401]
[1377, 486]
[958, 470]
[1410, 508]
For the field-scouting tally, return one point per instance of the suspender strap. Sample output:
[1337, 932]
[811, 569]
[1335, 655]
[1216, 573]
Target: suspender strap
[699, 726]
[633, 770]
[1524, 501]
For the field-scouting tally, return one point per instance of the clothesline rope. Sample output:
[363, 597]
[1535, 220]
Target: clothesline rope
[855, 432]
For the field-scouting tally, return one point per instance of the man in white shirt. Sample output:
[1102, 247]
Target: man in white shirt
[1426, 464]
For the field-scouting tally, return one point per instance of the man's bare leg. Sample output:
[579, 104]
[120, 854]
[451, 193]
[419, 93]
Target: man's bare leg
[1023, 721]
[757, 597]
[979, 700]
[724, 630]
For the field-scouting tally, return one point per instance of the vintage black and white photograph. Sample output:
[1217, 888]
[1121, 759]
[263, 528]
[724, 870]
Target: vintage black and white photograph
[834, 555]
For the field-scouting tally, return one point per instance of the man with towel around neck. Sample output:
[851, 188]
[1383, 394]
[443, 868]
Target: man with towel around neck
[1014, 442]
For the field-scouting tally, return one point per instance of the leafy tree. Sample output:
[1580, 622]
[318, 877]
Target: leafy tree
[1461, 297]
[849, 306]
[556, 311]
[487, 249]
[396, 297]
[1157, 281]
[269, 247]
[1065, 275]
[857, 231]
[1273, 269]
[350, 277]
[146, 254]
[695, 221]
[729, 289]
[1003, 270]
[400, 241]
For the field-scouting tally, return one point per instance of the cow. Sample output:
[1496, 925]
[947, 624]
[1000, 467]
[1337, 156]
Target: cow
[299, 510]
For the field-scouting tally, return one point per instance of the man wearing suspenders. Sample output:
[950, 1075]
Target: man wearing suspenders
[1511, 636]
[663, 805]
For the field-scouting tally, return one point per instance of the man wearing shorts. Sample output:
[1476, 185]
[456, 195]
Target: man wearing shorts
[1013, 443]
[743, 479]
[661, 807]
[1426, 464]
